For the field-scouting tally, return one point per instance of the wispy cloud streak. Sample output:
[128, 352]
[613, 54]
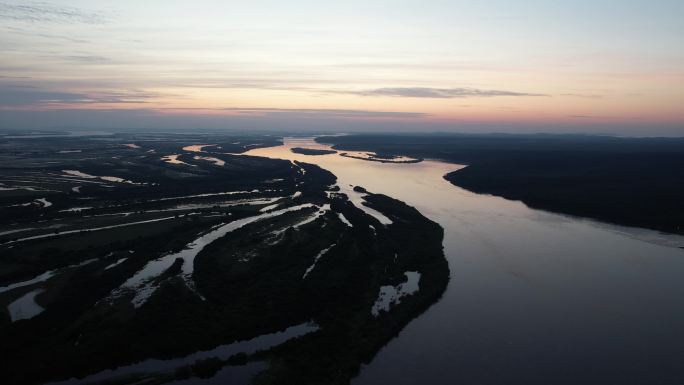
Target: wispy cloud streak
[45, 12]
[29, 97]
[584, 96]
[438, 93]
[306, 112]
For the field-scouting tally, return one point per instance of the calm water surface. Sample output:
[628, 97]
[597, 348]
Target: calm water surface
[534, 297]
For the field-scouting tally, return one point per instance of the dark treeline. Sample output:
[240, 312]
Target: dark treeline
[628, 181]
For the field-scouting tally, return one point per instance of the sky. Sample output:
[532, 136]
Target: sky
[601, 66]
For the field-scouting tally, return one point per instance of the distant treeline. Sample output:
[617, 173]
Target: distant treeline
[627, 181]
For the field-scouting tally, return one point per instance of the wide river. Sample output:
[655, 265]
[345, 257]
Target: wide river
[534, 297]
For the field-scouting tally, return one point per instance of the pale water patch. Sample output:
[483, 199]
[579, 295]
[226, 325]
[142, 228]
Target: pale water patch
[75, 209]
[79, 174]
[269, 207]
[392, 295]
[322, 210]
[143, 281]
[114, 179]
[44, 202]
[27, 188]
[275, 180]
[16, 231]
[206, 195]
[344, 220]
[42, 277]
[50, 235]
[223, 352]
[173, 159]
[25, 307]
[216, 161]
[300, 169]
[316, 258]
[221, 204]
[22, 204]
[357, 198]
[197, 147]
[117, 263]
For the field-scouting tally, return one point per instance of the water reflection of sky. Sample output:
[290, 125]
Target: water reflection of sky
[533, 296]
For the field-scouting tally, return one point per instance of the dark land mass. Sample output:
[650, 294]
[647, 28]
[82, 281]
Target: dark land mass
[300, 264]
[627, 181]
[381, 158]
[311, 151]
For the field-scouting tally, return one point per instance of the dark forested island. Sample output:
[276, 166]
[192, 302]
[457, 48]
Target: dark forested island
[311, 151]
[627, 181]
[167, 257]
[370, 157]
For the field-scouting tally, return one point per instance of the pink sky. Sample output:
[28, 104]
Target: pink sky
[601, 66]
